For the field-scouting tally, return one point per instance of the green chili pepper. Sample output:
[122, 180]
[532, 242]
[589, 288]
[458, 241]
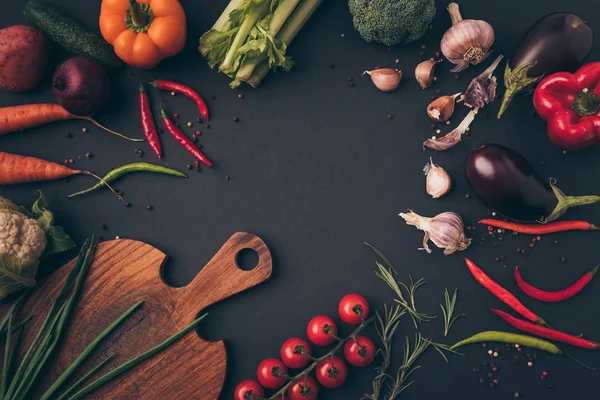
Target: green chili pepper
[512, 338]
[117, 173]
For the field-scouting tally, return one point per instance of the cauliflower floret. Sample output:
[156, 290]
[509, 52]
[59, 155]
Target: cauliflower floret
[21, 236]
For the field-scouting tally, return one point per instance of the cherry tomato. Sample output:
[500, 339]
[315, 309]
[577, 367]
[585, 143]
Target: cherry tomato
[353, 309]
[247, 390]
[360, 352]
[305, 388]
[272, 373]
[332, 372]
[294, 351]
[321, 330]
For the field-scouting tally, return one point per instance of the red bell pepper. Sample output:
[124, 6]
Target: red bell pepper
[570, 104]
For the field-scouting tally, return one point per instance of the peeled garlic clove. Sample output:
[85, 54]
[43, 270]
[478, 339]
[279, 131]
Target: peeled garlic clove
[442, 108]
[467, 41]
[385, 79]
[437, 181]
[424, 72]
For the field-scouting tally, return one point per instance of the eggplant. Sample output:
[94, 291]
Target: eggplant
[557, 42]
[506, 182]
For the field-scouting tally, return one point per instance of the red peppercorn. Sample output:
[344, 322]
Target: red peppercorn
[423, 46]
[544, 373]
[437, 54]
[176, 115]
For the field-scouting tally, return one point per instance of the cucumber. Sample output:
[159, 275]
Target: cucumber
[70, 34]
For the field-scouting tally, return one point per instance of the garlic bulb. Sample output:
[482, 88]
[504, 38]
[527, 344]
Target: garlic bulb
[445, 230]
[468, 41]
[442, 108]
[437, 181]
[424, 72]
[385, 79]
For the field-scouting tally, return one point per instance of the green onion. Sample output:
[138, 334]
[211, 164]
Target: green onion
[88, 350]
[135, 361]
[31, 364]
[85, 377]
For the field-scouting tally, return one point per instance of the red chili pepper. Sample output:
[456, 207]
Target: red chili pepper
[187, 91]
[547, 333]
[541, 229]
[553, 297]
[570, 105]
[503, 294]
[184, 140]
[148, 124]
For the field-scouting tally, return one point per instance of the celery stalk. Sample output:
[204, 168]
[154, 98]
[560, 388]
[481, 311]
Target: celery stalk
[280, 16]
[287, 33]
[250, 20]
[223, 21]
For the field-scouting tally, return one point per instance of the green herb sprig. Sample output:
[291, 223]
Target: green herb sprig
[448, 310]
[406, 301]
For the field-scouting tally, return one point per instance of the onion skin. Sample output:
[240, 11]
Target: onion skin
[557, 42]
[507, 183]
[81, 86]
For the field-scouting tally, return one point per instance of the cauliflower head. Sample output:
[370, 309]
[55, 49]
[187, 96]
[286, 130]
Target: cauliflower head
[25, 238]
[21, 236]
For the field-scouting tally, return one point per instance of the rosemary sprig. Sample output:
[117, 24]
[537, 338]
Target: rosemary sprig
[398, 287]
[411, 355]
[448, 310]
[386, 328]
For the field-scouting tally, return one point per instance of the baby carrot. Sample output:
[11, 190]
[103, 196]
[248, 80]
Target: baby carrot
[17, 118]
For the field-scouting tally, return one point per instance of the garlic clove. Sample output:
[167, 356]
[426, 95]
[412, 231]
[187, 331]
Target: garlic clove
[442, 108]
[437, 181]
[424, 72]
[385, 79]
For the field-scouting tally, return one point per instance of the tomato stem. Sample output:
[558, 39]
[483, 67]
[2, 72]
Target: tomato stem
[316, 361]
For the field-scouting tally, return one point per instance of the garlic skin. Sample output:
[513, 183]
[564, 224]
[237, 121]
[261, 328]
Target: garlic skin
[385, 79]
[451, 139]
[467, 41]
[442, 108]
[424, 72]
[437, 181]
[445, 230]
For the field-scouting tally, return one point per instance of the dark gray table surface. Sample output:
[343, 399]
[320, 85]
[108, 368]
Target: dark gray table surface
[316, 169]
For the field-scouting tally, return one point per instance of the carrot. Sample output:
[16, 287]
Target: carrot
[17, 118]
[15, 169]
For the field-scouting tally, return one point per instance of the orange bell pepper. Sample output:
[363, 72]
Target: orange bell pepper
[143, 32]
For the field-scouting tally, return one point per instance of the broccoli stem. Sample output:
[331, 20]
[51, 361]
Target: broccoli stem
[221, 23]
[280, 16]
[250, 20]
[287, 33]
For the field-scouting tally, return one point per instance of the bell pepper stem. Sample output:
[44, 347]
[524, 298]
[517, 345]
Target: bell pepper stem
[138, 18]
[565, 202]
[586, 103]
[515, 81]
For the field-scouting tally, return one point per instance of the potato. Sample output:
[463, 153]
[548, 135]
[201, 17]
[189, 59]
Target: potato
[23, 57]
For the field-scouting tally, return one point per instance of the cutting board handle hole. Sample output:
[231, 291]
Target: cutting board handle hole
[247, 259]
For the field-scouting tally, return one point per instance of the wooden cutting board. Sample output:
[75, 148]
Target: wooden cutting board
[124, 272]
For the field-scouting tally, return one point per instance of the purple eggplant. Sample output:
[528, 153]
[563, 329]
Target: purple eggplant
[557, 42]
[507, 183]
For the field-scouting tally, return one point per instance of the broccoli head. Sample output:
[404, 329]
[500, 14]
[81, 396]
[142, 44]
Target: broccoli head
[392, 21]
